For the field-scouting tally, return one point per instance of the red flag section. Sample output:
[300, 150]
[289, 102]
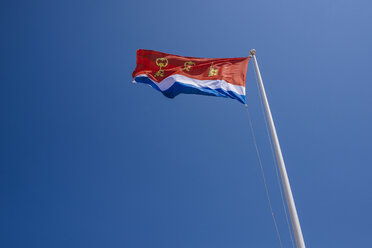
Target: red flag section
[158, 66]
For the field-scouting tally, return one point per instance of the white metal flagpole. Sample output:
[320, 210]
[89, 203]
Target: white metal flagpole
[300, 243]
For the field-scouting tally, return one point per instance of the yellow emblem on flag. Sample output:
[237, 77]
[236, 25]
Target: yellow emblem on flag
[161, 62]
[188, 65]
[212, 71]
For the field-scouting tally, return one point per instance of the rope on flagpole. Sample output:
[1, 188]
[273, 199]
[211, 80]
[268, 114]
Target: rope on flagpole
[275, 163]
[263, 176]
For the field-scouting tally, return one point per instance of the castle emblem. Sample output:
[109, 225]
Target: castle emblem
[212, 71]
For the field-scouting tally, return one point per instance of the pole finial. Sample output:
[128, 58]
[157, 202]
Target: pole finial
[252, 52]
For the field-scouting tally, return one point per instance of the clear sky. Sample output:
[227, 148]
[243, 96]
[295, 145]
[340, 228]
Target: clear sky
[88, 159]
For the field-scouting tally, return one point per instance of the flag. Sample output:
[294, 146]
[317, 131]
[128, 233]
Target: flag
[173, 74]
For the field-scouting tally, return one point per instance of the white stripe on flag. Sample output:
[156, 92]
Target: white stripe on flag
[212, 84]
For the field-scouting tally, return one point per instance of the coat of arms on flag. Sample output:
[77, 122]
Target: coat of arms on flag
[173, 74]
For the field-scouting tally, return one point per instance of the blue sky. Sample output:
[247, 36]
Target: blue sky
[89, 159]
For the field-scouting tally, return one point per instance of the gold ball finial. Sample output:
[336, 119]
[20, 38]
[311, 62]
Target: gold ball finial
[252, 52]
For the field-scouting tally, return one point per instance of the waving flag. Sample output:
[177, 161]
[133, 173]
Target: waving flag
[173, 74]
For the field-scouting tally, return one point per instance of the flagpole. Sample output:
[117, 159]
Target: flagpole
[300, 243]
